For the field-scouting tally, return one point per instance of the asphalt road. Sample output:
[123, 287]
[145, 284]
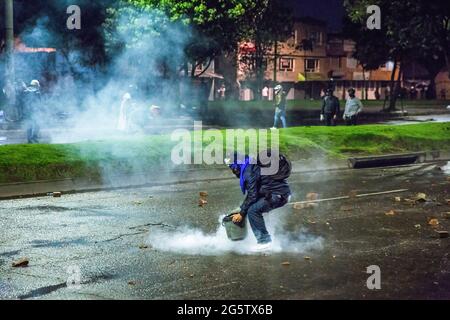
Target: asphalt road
[157, 243]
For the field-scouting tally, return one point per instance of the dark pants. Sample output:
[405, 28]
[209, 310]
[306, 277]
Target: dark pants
[351, 121]
[329, 119]
[256, 219]
[32, 131]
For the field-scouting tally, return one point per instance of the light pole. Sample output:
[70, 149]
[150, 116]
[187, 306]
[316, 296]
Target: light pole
[11, 112]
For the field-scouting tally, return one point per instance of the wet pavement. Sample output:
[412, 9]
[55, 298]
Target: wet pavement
[157, 243]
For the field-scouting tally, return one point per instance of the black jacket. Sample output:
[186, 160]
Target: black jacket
[330, 105]
[259, 186]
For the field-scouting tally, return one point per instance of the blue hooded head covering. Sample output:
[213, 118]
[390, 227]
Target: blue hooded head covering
[241, 167]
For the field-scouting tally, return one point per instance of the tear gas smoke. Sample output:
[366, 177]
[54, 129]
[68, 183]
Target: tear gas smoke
[196, 242]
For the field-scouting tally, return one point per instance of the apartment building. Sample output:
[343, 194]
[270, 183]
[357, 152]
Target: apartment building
[310, 60]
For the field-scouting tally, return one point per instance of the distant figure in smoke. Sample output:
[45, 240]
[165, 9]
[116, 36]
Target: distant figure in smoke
[122, 124]
[280, 107]
[330, 108]
[353, 108]
[222, 92]
[32, 108]
[204, 98]
[264, 194]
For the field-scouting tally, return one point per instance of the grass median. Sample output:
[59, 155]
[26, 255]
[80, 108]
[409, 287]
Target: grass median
[90, 160]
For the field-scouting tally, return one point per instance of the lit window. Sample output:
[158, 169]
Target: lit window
[287, 64]
[312, 65]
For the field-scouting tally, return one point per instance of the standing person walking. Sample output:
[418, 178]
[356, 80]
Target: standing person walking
[330, 108]
[280, 107]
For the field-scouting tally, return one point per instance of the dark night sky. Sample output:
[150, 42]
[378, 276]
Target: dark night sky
[331, 11]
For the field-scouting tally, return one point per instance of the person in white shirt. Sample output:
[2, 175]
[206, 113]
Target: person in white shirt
[265, 93]
[353, 108]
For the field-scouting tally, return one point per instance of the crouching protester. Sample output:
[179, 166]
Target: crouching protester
[353, 108]
[264, 193]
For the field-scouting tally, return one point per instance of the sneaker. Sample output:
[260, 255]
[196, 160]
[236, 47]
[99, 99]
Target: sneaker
[273, 128]
[262, 247]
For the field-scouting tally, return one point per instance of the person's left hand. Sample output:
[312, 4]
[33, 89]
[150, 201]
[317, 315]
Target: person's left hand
[237, 218]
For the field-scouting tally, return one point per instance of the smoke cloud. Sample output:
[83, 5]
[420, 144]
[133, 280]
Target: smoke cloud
[196, 242]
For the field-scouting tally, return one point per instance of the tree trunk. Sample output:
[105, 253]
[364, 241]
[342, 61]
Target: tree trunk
[392, 88]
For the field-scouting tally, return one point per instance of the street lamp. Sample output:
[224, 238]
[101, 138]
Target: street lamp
[10, 90]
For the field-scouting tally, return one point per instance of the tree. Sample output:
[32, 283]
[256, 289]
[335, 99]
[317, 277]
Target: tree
[411, 31]
[265, 28]
[211, 27]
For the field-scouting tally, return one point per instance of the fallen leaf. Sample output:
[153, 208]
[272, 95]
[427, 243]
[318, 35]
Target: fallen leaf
[433, 222]
[353, 193]
[390, 213]
[420, 197]
[203, 194]
[312, 196]
[298, 206]
[202, 202]
[286, 263]
[21, 263]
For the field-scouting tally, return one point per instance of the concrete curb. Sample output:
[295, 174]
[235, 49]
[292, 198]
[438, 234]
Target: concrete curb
[147, 179]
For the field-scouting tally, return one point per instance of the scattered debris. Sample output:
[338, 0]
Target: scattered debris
[287, 263]
[312, 196]
[298, 206]
[448, 201]
[21, 263]
[443, 234]
[433, 222]
[57, 194]
[202, 202]
[334, 257]
[390, 213]
[417, 226]
[447, 215]
[143, 246]
[312, 222]
[308, 258]
[346, 208]
[420, 197]
[191, 275]
[132, 283]
[137, 203]
[353, 194]
[398, 199]
[203, 194]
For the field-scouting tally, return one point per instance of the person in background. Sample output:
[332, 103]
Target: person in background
[222, 92]
[265, 93]
[353, 108]
[377, 94]
[32, 108]
[330, 108]
[122, 124]
[204, 98]
[280, 107]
